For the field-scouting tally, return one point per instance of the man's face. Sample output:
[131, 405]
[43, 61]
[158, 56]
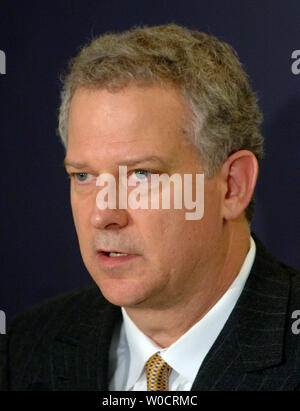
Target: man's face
[169, 257]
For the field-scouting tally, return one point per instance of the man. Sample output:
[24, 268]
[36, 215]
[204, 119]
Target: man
[203, 305]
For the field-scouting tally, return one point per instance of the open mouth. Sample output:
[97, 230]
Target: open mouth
[114, 258]
[114, 254]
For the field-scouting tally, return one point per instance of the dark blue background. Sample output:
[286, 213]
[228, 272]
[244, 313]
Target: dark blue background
[40, 255]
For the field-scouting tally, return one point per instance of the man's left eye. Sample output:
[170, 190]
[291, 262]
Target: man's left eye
[142, 174]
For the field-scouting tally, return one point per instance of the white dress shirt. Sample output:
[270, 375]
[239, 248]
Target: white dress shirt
[131, 348]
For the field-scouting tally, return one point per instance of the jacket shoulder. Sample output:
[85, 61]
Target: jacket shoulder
[30, 335]
[55, 311]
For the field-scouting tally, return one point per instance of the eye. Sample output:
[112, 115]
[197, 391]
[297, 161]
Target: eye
[142, 174]
[82, 177]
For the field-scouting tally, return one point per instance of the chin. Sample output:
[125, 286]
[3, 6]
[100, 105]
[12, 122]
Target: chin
[124, 293]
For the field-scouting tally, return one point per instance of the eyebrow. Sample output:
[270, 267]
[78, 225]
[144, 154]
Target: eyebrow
[74, 164]
[136, 160]
[128, 162]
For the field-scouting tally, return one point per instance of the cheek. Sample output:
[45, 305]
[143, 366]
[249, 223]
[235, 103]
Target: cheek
[164, 232]
[179, 243]
[80, 217]
[76, 213]
[212, 201]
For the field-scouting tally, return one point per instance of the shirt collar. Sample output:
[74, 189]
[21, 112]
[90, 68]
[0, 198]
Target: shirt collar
[186, 354]
[141, 348]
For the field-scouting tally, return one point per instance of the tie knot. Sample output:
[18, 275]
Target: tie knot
[158, 372]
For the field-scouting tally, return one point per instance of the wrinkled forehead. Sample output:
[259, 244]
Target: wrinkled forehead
[133, 120]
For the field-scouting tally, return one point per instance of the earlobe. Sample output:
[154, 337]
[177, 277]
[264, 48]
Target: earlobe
[239, 175]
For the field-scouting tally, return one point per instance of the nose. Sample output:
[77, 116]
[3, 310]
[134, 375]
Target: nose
[111, 219]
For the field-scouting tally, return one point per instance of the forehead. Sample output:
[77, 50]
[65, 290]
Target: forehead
[134, 120]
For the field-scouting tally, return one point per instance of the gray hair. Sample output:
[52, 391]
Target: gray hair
[225, 115]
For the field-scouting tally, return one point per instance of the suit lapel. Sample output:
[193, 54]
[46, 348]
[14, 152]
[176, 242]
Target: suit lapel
[81, 351]
[253, 337]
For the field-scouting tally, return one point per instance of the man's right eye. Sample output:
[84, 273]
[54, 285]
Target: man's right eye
[81, 177]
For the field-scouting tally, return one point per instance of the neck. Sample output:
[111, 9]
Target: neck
[165, 325]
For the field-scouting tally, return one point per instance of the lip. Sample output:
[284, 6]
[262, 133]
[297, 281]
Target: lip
[107, 261]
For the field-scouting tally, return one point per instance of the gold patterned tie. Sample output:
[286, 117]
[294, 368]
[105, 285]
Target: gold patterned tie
[158, 372]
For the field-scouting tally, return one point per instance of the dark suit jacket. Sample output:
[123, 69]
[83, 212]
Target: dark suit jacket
[63, 344]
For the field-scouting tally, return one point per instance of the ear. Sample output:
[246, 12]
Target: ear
[239, 175]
